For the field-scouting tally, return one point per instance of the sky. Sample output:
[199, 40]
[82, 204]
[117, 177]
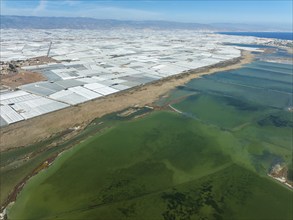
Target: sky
[267, 12]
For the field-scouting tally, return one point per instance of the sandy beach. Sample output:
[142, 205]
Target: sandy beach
[39, 128]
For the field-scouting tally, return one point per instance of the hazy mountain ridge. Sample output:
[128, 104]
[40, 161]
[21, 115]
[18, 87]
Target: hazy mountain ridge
[31, 22]
[23, 22]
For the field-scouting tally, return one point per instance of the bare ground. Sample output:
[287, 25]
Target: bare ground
[23, 77]
[12, 75]
[39, 128]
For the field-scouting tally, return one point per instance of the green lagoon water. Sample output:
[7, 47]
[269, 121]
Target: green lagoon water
[210, 162]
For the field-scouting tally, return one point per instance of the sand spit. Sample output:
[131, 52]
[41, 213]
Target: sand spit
[39, 128]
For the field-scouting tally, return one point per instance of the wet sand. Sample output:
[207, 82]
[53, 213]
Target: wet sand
[39, 128]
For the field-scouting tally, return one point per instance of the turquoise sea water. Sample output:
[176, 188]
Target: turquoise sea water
[261, 82]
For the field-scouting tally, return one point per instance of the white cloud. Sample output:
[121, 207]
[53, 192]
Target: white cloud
[71, 2]
[70, 8]
[6, 10]
[39, 10]
[41, 7]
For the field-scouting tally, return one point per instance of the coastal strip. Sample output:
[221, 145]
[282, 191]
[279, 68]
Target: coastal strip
[42, 127]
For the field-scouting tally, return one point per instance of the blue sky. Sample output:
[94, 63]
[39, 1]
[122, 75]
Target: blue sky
[238, 11]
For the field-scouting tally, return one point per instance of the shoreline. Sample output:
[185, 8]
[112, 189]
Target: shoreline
[36, 129]
[171, 82]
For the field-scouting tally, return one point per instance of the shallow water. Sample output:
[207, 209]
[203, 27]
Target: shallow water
[210, 162]
[254, 83]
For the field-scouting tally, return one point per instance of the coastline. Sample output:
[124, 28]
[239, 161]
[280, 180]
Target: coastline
[39, 128]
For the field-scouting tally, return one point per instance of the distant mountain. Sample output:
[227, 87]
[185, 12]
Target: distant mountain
[250, 27]
[30, 22]
[26, 22]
